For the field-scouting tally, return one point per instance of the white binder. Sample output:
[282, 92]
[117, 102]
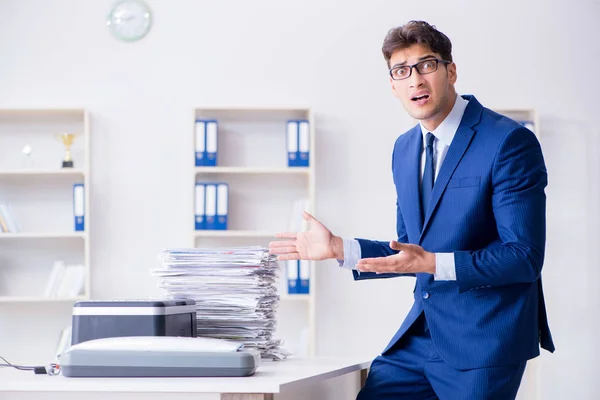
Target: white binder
[303, 143]
[200, 143]
[292, 276]
[211, 205]
[292, 143]
[199, 215]
[222, 206]
[79, 207]
[211, 143]
[304, 273]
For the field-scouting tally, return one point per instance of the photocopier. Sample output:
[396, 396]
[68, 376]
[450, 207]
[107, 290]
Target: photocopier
[148, 338]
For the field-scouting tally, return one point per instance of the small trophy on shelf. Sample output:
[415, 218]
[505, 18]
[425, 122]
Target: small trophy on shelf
[67, 140]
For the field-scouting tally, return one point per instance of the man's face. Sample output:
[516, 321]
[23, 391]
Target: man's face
[426, 97]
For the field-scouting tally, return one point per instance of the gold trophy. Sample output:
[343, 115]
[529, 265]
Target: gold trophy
[67, 139]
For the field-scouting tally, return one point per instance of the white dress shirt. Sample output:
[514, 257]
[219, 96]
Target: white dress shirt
[445, 269]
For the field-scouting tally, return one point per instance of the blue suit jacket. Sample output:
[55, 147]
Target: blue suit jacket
[488, 207]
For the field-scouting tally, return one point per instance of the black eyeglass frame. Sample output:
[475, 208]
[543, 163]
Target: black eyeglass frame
[416, 66]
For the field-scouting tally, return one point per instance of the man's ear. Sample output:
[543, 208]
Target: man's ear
[452, 76]
[394, 92]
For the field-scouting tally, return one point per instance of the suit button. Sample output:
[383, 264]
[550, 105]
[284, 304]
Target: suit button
[425, 295]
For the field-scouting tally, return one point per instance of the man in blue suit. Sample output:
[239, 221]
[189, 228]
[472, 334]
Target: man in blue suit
[471, 222]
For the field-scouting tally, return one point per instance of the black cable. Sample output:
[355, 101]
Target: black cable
[39, 369]
[19, 367]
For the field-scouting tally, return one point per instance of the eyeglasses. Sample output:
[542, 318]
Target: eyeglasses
[424, 67]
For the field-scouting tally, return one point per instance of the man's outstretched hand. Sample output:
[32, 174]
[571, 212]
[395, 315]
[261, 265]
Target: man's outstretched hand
[318, 243]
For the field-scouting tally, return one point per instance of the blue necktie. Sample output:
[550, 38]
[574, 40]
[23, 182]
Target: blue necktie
[427, 182]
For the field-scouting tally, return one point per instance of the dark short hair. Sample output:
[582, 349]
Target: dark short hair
[416, 32]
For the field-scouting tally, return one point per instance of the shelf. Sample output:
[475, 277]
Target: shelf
[232, 233]
[43, 235]
[514, 110]
[34, 299]
[41, 112]
[42, 172]
[252, 170]
[256, 109]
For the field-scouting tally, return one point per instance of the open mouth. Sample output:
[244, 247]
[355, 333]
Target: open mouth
[422, 97]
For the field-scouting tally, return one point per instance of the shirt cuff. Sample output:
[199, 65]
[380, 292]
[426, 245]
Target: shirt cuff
[351, 254]
[445, 268]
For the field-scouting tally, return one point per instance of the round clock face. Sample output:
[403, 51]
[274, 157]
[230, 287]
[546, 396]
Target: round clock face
[129, 20]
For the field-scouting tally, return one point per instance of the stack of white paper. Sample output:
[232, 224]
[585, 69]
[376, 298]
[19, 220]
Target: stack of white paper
[235, 292]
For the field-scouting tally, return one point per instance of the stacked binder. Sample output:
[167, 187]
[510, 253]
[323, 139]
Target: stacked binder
[234, 289]
[211, 207]
[298, 276]
[298, 143]
[206, 142]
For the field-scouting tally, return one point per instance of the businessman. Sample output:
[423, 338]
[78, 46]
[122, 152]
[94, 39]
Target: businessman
[471, 223]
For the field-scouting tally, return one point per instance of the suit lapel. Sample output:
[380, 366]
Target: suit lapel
[457, 149]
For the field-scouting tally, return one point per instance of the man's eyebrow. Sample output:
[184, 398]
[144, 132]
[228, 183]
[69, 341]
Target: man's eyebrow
[425, 57]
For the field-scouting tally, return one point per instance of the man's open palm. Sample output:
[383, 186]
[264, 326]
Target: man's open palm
[315, 244]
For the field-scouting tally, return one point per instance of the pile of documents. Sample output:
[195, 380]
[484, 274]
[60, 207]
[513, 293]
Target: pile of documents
[234, 289]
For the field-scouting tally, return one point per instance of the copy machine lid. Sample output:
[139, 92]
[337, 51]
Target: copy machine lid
[158, 356]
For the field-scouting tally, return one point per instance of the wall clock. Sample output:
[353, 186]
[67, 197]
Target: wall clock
[129, 20]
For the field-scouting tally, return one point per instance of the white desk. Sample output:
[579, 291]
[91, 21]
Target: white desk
[270, 378]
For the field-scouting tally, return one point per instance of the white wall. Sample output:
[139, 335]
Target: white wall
[325, 54]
